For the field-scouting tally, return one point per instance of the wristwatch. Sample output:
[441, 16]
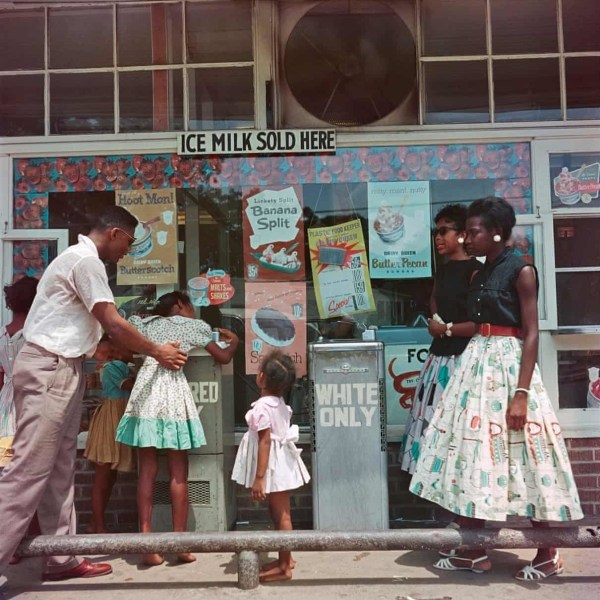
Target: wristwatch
[449, 328]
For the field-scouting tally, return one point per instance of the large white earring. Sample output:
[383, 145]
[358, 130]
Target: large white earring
[461, 240]
[497, 238]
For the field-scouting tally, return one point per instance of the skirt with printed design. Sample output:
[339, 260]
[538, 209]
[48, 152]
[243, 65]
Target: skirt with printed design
[472, 465]
[433, 379]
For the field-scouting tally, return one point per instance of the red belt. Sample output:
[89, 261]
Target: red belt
[487, 329]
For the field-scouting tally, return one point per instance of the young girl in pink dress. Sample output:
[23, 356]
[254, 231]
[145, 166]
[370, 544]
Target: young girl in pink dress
[268, 460]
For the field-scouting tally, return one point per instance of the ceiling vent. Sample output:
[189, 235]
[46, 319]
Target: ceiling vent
[347, 63]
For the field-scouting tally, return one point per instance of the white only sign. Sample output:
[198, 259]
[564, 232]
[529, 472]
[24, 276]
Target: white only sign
[264, 141]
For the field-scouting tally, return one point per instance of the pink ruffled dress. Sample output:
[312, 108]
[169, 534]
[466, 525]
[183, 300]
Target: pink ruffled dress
[286, 470]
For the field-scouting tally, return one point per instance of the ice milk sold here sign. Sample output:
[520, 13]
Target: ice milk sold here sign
[264, 141]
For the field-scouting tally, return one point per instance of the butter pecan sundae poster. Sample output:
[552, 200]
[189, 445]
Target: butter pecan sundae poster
[399, 225]
[575, 180]
[340, 270]
[273, 234]
[275, 319]
[152, 257]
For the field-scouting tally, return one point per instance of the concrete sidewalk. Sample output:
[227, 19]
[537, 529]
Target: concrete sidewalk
[395, 575]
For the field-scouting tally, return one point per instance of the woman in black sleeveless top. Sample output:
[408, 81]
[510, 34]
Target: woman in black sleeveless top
[494, 447]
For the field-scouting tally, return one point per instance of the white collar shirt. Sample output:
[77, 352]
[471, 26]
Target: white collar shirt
[60, 319]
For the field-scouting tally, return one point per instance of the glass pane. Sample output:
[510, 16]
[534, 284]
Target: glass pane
[572, 246]
[221, 98]
[453, 27]
[22, 105]
[574, 177]
[577, 298]
[80, 37]
[583, 91]
[456, 92]
[149, 35]
[578, 382]
[524, 27]
[151, 101]
[81, 103]
[527, 90]
[21, 40]
[31, 257]
[580, 25]
[219, 31]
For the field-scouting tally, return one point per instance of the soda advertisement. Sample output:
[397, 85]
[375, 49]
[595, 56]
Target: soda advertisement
[575, 180]
[275, 319]
[153, 255]
[399, 214]
[273, 234]
[340, 270]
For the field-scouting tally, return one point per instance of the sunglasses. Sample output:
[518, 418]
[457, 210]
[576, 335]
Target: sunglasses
[442, 230]
[131, 238]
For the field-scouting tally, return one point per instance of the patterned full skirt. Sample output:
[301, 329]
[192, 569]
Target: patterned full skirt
[472, 465]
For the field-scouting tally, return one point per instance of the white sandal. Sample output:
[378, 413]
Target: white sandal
[445, 564]
[531, 572]
[452, 552]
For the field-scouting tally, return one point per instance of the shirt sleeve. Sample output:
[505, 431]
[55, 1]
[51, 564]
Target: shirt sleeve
[113, 375]
[258, 418]
[138, 323]
[197, 333]
[91, 282]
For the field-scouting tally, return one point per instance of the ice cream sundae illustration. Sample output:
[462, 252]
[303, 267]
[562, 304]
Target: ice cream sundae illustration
[566, 187]
[389, 223]
[593, 395]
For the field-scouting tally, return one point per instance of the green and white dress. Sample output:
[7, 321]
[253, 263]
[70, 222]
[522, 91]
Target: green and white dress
[161, 412]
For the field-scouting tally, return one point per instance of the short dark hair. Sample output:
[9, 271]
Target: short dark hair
[164, 305]
[20, 295]
[494, 212]
[113, 216]
[280, 372]
[455, 213]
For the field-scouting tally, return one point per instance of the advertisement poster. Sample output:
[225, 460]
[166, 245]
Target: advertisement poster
[338, 260]
[275, 319]
[210, 288]
[403, 363]
[575, 180]
[399, 214]
[273, 234]
[153, 255]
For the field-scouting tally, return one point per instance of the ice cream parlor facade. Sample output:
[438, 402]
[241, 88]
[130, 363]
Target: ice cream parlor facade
[322, 236]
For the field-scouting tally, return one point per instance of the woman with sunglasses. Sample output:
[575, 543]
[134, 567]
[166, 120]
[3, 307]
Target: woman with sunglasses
[450, 326]
[494, 446]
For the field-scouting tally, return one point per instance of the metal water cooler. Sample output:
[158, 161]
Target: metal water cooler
[211, 491]
[349, 446]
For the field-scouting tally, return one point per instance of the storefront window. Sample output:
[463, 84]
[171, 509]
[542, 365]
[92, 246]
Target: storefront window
[22, 40]
[149, 34]
[578, 378]
[82, 103]
[583, 92]
[80, 37]
[151, 101]
[221, 98]
[527, 90]
[21, 105]
[580, 25]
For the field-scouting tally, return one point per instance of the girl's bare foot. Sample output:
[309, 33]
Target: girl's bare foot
[276, 574]
[274, 564]
[186, 557]
[153, 560]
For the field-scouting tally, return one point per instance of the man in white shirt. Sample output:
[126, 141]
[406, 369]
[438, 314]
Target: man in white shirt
[72, 306]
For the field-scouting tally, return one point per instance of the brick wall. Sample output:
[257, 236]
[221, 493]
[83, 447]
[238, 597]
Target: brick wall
[405, 508]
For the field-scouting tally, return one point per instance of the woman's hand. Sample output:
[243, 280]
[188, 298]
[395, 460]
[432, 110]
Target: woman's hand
[258, 489]
[227, 336]
[516, 413]
[436, 329]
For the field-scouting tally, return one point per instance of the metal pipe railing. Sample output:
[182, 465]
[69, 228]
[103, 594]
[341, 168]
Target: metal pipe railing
[247, 544]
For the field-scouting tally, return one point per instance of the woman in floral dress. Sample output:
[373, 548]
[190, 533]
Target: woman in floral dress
[494, 446]
[161, 412]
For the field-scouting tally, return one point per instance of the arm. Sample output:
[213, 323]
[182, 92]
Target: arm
[125, 334]
[264, 448]
[1, 378]
[224, 355]
[466, 329]
[516, 413]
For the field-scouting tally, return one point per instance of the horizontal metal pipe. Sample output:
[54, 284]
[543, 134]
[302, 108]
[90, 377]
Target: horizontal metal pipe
[259, 541]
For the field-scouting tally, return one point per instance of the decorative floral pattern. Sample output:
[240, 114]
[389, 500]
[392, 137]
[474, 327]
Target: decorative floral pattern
[508, 165]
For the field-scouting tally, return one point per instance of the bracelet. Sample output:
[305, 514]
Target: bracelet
[522, 390]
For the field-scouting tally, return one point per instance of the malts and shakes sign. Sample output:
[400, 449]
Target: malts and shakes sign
[264, 141]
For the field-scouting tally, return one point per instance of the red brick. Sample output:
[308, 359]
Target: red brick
[589, 509]
[589, 482]
[581, 455]
[589, 495]
[585, 468]
[584, 442]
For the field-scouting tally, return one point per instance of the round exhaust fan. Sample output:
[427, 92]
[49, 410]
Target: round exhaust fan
[350, 63]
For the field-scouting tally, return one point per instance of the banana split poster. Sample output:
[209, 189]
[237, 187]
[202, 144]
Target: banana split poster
[273, 234]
